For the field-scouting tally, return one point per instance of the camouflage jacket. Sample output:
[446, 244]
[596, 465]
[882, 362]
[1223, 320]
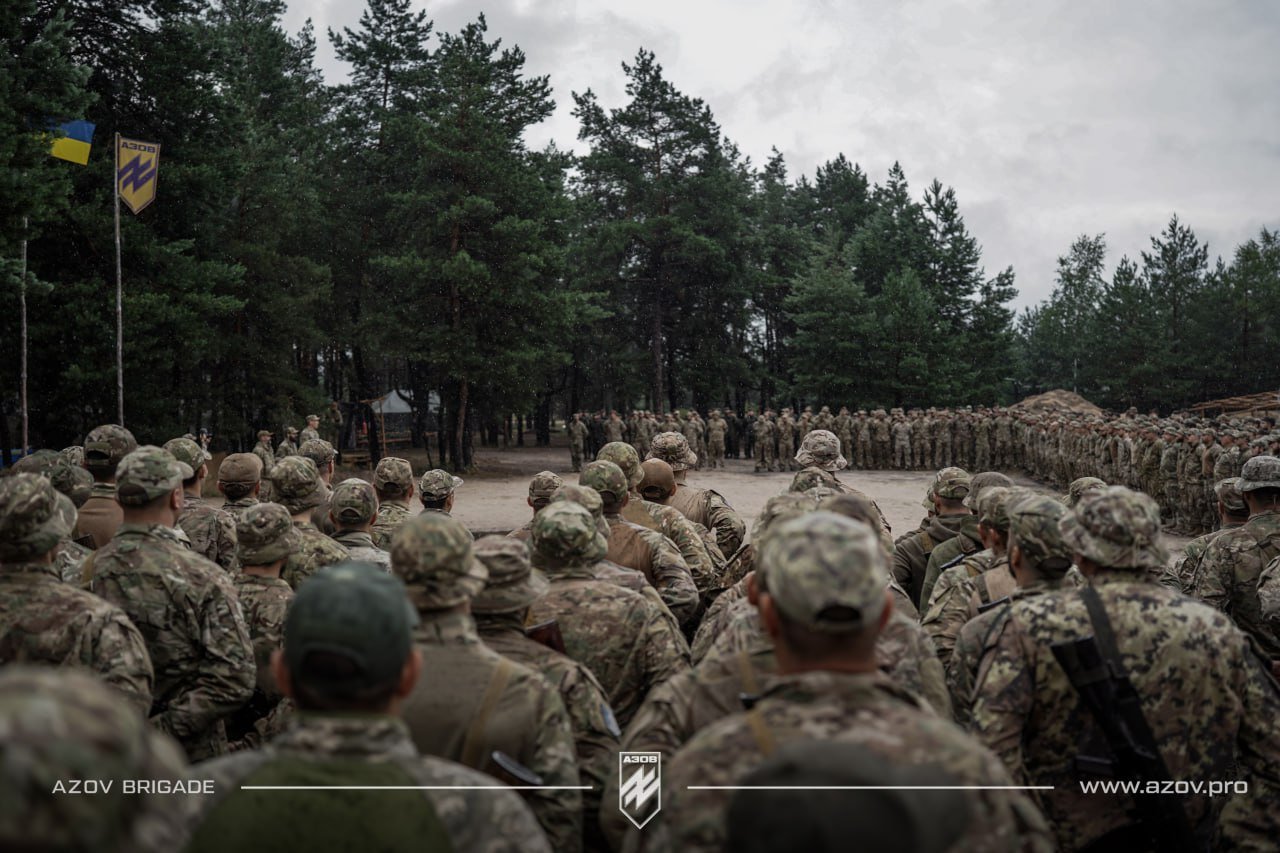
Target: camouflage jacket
[263, 451]
[45, 621]
[649, 552]
[706, 563]
[595, 730]
[528, 721]
[1213, 709]
[959, 594]
[378, 751]
[190, 618]
[618, 634]
[911, 555]
[360, 546]
[709, 508]
[1230, 571]
[265, 602]
[314, 551]
[854, 708]
[391, 515]
[237, 507]
[68, 560]
[1182, 573]
[212, 532]
[950, 553]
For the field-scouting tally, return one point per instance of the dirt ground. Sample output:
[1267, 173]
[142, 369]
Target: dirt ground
[493, 498]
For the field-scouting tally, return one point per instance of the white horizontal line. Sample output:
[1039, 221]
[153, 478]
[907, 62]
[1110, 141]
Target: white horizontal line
[416, 788]
[870, 787]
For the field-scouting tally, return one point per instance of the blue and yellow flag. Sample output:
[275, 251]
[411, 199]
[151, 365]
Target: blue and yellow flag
[75, 145]
[137, 164]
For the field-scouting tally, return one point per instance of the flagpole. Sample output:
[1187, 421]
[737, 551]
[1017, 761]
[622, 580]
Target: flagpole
[115, 180]
[22, 299]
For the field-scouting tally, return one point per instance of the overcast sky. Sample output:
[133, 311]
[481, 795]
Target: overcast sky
[1050, 118]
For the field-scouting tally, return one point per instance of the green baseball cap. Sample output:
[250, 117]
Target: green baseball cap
[187, 451]
[607, 479]
[297, 483]
[625, 457]
[436, 485]
[106, 445]
[394, 475]
[565, 534]
[147, 474]
[1034, 528]
[356, 611]
[354, 502]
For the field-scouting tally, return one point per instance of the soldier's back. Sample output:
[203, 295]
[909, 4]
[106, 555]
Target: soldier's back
[314, 550]
[212, 532]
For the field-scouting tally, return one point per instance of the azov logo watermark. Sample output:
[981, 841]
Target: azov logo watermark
[640, 786]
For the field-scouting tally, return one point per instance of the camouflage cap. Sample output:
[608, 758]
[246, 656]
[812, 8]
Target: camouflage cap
[543, 486]
[312, 418]
[589, 499]
[984, 480]
[825, 572]
[1228, 492]
[39, 462]
[297, 484]
[354, 610]
[59, 724]
[606, 478]
[1117, 528]
[952, 484]
[264, 433]
[433, 554]
[1034, 529]
[240, 468]
[993, 507]
[353, 503]
[1080, 487]
[821, 448]
[393, 476]
[318, 451]
[927, 500]
[290, 430]
[264, 534]
[780, 508]
[672, 448]
[436, 485]
[73, 455]
[565, 535]
[147, 474]
[106, 445]
[659, 480]
[31, 524]
[187, 451]
[513, 584]
[1260, 472]
[625, 457]
[73, 481]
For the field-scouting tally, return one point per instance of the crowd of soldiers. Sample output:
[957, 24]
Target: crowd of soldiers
[476, 694]
[1177, 460]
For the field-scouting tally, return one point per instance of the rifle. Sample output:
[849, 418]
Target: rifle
[1093, 667]
[548, 634]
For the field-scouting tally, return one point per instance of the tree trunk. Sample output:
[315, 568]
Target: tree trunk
[659, 388]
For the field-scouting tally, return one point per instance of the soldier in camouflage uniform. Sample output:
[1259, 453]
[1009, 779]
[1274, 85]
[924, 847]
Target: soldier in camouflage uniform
[881, 438]
[1233, 512]
[1169, 478]
[911, 556]
[185, 606]
[762, 436]
[965, 546]
[265, 537]
[500, 611]
[264, 451]
[73, 481]
[298, 487]
[58, 727]
[46, 621]
[100, 515]
[1229, 577]
[353, 506]
[1207, 698]
[288, 447]
[702, 506]
[212, 531]
[637, 547]
[1080, 488]
[823, 602]
[436, 490]
[348, 661]
[239, 481]
[479, 702]
[323, 454]
[577, 440]
[311, 432]
[618, 634]
[393, 481]
[901, 433]
[717, 428]
[786, 440]
[541, 488]
[1040, 562]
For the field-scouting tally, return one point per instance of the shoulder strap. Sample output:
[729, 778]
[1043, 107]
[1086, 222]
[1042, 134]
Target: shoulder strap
[750, 684]
[926, 542]
[760, 731]
[86, 570]
[473, 744]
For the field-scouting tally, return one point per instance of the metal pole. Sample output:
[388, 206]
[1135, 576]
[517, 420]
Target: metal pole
[22, 300]
[115, 180]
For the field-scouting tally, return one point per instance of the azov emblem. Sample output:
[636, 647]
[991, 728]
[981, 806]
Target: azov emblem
[640, 786]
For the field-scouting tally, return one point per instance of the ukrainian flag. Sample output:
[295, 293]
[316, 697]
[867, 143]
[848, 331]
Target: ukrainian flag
[75, 145]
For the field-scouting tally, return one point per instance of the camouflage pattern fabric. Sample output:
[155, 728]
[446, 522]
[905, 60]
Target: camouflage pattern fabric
[361, 548]
[212, 531]
[57, 726]
[313, 551]
[342, 746]
[391, 514]
[1230, 576]
[433, 554]
[821, 449]
[190, 618]
[437, 485]
[106, 445]
[865, 709]
[296, 483]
